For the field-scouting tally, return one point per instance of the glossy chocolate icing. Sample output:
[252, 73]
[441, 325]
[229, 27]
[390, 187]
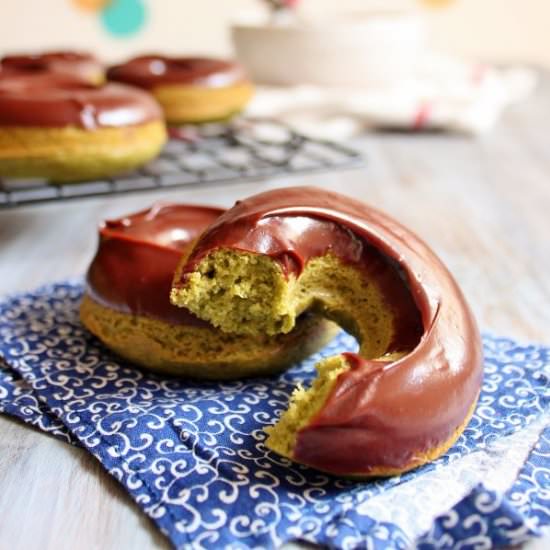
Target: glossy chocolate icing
[151, 71]
[379, 413]
[75, 64]
[136, 258]
[49, 100]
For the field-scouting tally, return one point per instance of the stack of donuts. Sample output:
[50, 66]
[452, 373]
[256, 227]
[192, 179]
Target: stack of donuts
[194, 291]
[65, 117]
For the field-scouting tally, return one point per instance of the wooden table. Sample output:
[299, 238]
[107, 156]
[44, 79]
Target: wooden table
[483, 204]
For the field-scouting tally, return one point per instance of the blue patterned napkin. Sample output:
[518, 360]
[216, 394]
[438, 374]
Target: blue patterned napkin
[18, 399]
[192, 454]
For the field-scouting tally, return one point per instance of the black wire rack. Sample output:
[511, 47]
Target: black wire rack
[245, 149]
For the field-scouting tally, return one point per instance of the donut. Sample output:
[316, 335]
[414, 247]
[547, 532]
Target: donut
[64, 129]
[190, 89]
[126, 304]
[409, 392]
[73, 64]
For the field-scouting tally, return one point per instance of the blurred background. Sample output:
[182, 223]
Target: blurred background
[495, 30]
[409, 64]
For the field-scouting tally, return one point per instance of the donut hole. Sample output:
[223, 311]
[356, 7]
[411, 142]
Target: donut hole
[342, 293]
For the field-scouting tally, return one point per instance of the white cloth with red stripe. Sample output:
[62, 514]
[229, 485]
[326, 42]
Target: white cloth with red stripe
[444, 93]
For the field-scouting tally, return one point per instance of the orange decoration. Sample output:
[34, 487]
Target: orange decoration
[436, 3]
[90, 5]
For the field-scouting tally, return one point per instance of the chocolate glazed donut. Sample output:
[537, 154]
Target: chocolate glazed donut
[408, 394]
[56, 101]
[150, 71]
[126, 303]
[190, 89]
[63, 128]
[67, 63]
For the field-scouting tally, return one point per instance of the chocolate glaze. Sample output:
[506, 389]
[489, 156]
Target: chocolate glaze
[150, 71]
[136, 258]
[379, 413]
[50, 100]
[75, 64]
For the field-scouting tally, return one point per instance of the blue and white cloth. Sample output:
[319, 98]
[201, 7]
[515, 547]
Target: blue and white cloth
[192, 454]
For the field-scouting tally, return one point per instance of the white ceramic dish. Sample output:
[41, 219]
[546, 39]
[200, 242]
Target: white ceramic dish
[355, 49]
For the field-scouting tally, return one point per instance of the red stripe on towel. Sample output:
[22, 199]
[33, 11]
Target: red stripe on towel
[422, 115]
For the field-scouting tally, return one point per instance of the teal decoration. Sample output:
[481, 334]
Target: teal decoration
[123, 18]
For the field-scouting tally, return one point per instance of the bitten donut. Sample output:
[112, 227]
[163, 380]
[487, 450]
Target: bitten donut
[127, 305]
[410, 391]
[66, 63]
[190, 89]
[65, 129]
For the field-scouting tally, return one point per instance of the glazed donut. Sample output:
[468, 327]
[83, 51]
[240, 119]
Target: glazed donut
[65, 129]
[72, 64]
[410, 391]
[127, 306]
[190, 89]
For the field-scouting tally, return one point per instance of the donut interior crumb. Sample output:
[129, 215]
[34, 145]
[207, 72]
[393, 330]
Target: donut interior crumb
[246, 293]
[238, 292]
[304, 405]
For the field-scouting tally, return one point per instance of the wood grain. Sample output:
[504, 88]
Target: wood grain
[483, 204]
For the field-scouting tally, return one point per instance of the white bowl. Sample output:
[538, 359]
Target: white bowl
[359, 49]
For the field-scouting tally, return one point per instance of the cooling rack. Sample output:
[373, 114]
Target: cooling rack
[245, 149]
